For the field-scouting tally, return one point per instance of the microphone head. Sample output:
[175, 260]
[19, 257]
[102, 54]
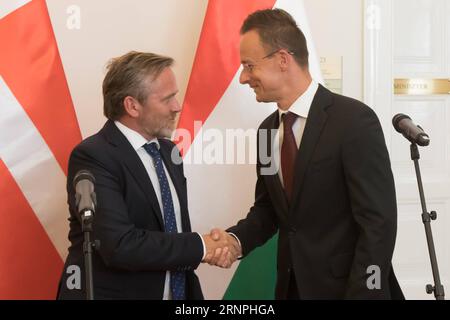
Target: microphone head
[396, 120]
[423, 139]
[83, 175]
[409, 130]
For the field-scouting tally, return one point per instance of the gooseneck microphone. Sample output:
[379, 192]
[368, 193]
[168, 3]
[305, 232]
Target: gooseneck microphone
[85, 198]
[414, 133]
[86, 202]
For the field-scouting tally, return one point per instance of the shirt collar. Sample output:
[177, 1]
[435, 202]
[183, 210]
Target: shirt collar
[135, 138]
[303, 103]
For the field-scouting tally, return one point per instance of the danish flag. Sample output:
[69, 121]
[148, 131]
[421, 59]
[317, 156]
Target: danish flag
[38, 130]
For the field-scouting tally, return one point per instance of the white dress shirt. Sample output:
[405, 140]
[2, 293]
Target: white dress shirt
[301, 108]
[137, 141]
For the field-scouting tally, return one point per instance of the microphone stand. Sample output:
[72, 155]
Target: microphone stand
[87, 217]
[438, 288]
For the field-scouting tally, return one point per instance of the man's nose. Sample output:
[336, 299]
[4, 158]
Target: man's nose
[177, 107]
[244, 77]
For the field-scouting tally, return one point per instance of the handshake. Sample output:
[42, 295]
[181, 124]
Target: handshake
[222, 249]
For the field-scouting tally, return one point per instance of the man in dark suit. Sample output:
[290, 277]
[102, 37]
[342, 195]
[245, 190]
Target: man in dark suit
[329, 189]
[147, 249]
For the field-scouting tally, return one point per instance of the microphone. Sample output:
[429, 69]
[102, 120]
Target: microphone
[85, 198]
[414, 133]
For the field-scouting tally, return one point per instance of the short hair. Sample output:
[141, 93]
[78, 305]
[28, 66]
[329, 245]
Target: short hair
[126, 76]
[277, 29]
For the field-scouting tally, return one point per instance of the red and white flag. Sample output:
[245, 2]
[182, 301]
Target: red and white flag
[38, 130]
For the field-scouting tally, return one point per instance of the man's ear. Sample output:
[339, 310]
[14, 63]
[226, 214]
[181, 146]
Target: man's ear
[131, 106]
[285, 59]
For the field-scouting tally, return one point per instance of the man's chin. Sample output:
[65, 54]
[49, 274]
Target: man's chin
[262, 99]
[165, 133]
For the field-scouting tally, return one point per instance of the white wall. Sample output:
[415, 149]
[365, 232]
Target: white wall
[337, 30]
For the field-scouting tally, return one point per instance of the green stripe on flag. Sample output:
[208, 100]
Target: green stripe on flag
[256, 275]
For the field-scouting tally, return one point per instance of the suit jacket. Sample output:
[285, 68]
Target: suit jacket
[342, 218]
[134, 252]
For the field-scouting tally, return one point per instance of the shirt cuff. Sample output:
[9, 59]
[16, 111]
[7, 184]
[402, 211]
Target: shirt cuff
[238, 241]
[203, 244]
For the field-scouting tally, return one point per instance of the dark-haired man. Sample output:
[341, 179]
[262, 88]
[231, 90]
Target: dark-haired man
[333, 198]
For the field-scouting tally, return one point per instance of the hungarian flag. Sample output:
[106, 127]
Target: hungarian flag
[38, 130]
[220, 185]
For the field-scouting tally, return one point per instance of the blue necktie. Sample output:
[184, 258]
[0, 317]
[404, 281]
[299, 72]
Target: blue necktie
[177, 278]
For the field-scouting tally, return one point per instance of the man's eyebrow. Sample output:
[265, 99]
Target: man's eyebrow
[170, 96]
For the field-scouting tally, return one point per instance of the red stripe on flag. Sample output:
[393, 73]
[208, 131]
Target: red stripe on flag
[30, 265]
[31, 66]
[217, 58]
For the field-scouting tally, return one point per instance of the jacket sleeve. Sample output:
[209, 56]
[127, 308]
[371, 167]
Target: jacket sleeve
[261, 222]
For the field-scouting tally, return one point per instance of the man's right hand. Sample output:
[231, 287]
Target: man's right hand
[222, 249]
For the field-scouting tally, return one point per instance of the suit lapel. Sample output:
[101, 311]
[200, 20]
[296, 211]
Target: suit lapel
[315, 123]
[135, 166]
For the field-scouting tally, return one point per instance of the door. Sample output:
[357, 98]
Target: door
[404, 40]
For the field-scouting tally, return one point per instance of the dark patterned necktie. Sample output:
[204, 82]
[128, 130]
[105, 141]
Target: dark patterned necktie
[288, 152]
[177, 278]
